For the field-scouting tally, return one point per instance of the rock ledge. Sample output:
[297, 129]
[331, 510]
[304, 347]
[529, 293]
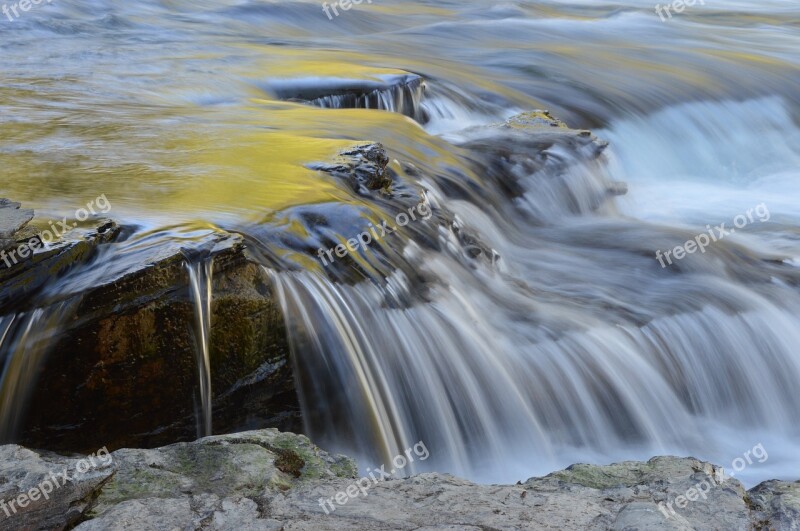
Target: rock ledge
[269, 480]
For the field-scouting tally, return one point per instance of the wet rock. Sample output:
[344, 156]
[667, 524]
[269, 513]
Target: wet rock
[535, 153]
[529, 119]
[240, 482]
[363, 167]
[123, 370]
[401, 93]
[108, 324]
[28, 264]
[617, 188]
[12, 219]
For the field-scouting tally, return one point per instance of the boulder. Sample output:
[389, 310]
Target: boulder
[124, 368]
[107, 353]
[775, 505]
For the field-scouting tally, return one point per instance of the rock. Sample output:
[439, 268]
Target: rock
[12, 220]
[61, 500]
[124, 370]
[26, 276]
[631, 493]
[110, 348]
[397, 92]
[222, 482]
[775, 505]
[268, 480]
[362, 166]
[620, 496]
[529, 119]
[537, 154]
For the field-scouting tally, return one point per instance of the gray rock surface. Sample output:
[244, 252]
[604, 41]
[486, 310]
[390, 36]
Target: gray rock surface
[65, 487]
[268, 480]
[775, 505]
[12, 218]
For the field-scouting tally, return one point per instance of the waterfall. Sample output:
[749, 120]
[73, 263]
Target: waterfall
[575, 345]
[200, 278]
[404, 98]
[25, 341]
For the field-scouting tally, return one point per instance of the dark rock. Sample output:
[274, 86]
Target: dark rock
[21, 279]
[362, 167]
[530, 152]
[400, 93]
[124, 370]
[110, 345]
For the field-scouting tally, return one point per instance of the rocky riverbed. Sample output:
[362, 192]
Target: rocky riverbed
[269, 480]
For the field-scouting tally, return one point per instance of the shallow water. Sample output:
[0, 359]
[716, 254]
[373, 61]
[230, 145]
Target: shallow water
[574, 346]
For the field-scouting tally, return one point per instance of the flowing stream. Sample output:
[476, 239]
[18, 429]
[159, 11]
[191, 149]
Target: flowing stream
[200, 282]
[570, 343]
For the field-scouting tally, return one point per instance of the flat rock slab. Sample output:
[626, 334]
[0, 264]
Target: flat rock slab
[12, 219]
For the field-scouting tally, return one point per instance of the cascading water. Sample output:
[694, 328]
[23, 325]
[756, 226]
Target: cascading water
[25, 340]
[200, 279]
[576, 341]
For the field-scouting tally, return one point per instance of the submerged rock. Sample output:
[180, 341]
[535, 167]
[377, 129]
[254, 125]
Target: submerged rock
[27, 263]
[12, 220]
[272, 480]
[535, 154]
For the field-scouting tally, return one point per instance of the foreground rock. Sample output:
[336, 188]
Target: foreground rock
[268, 480]
[39, 490]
